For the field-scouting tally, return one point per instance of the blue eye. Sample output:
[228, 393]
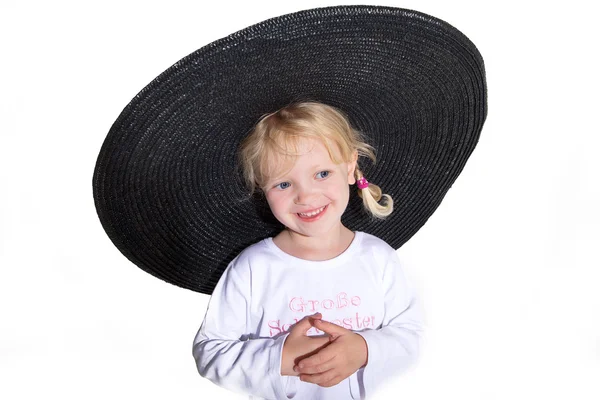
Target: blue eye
[322, 174]
[283, 185]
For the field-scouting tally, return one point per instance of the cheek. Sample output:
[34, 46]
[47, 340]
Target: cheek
[276, 203]
[339, 192]
[345, 192]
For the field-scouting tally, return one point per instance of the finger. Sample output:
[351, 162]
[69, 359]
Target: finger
[332, 382]
[330, 328]
[320, 379]
[311, 320]
[325, 355]
[302, 327]
[315, 317]
[321, 342]
[315, 369]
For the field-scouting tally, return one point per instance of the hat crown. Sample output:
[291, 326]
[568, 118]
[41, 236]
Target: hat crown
[167, 189]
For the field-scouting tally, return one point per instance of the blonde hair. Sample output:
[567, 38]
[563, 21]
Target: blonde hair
[277, 134]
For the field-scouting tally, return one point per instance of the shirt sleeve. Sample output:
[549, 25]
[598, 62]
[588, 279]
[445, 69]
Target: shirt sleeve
[224, 352]
[394, 346]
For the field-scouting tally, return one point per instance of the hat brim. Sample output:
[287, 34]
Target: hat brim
[166, 184]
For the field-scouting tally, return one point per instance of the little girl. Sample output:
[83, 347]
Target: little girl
[318, 311]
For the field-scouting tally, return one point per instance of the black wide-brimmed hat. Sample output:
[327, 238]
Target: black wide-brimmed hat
[166, 185]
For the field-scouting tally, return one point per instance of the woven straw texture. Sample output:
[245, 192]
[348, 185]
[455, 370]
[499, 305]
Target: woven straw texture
[166, 187]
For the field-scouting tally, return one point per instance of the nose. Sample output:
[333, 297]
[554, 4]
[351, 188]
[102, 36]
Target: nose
[305, 194]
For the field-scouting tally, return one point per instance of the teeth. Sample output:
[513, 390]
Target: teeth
[312, 214]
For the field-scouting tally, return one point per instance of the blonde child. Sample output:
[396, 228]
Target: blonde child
[317, 311]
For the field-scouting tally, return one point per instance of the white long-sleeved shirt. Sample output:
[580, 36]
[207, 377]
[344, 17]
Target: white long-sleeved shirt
[265, 290]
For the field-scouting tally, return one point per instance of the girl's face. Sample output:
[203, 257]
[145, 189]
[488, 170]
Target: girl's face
[311, 197]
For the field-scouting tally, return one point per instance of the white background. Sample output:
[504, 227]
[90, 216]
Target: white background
[507, 268]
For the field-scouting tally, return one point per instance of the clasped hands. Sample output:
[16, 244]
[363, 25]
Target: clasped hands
[322, 360]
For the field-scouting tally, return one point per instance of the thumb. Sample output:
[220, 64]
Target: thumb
[301, 327]
[330, 328]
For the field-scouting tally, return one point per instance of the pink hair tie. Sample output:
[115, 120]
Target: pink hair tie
[362, 183]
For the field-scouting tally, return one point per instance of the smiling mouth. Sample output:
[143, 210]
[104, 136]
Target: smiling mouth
[312, 214]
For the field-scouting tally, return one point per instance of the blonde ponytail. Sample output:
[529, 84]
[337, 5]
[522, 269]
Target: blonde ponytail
[371, 196]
